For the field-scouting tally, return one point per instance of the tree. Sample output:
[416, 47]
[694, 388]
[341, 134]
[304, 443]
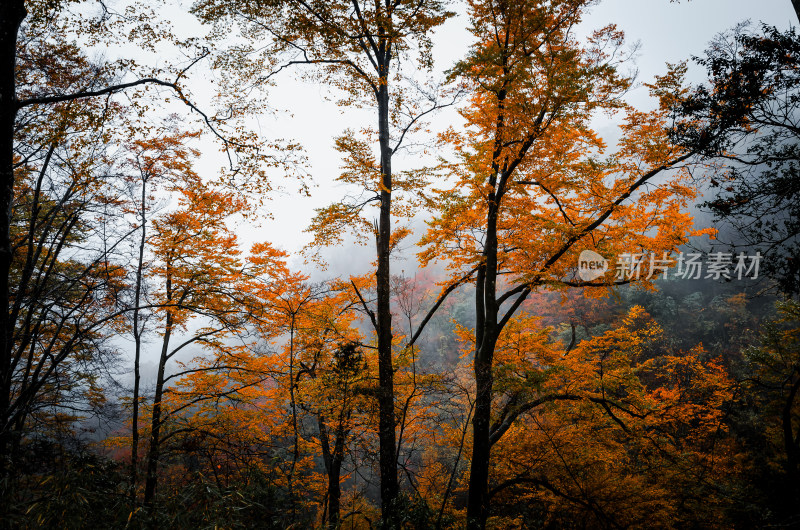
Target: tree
[161, 161]
[196, 271]
[11, 16]
[753, 95]
[225, 410]
[334, 419]
[31, 81]
[288, 404]
[65, 271]
[532, 190]
[774, 382]
[617, 430]
[359, 47]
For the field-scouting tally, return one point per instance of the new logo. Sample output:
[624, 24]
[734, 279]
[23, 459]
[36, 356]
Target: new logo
[591, 265]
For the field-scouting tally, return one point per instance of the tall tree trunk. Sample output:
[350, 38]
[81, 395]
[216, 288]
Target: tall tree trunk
[333, 466]
[293, 402]
[477, 502]
[12, 13]
[486, 338]
[386, 419]
[137, 338]
[796, 6]
[334, 495]
[154, 451]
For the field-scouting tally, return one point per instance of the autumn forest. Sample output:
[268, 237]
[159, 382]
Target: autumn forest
[540, 291]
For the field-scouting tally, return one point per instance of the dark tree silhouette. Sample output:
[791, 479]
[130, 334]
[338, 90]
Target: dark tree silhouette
[748, 114]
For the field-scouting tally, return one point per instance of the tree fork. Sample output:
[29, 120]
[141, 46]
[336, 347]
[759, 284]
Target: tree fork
[486, 292]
